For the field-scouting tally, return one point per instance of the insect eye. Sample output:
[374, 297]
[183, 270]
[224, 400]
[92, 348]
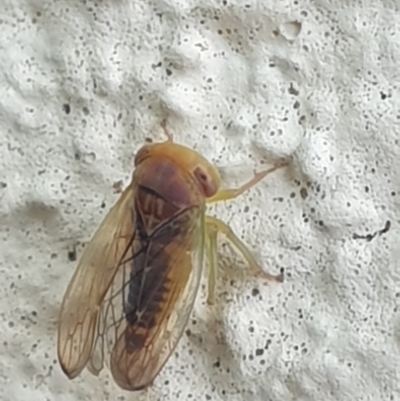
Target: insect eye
[205, 181]
[141, 155]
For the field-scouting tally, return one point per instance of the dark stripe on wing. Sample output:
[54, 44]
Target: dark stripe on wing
[148, 282]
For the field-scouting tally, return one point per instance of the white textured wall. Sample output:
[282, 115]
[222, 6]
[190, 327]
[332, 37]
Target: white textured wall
[245, 83]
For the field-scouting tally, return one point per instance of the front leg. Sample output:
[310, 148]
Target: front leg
[232, 193]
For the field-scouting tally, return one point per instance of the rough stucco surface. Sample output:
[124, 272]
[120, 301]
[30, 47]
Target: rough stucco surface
[83, 83]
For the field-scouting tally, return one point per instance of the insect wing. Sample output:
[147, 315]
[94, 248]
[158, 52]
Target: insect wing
[139, 350]
[90, 283]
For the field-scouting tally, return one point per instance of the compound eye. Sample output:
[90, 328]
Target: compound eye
[206, 182]
[142, 154]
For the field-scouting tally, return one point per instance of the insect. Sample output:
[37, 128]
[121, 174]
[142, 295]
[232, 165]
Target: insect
[131, 295]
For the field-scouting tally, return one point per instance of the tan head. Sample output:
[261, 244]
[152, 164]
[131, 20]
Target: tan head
[204, 173]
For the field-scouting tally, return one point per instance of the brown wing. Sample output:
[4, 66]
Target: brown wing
[90, 283]
[150, 301]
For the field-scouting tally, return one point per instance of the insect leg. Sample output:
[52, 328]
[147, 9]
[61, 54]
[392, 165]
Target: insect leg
[211, 246]
[218, 226]
[226, 194]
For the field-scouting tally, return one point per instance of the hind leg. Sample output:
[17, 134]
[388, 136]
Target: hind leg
[216, 226]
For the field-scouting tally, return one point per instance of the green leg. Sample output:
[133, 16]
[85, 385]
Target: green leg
[215, 226]
[226, 194]
[211, 244]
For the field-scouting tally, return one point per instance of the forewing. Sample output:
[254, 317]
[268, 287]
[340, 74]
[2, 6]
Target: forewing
[139, 349]
[90, 283]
